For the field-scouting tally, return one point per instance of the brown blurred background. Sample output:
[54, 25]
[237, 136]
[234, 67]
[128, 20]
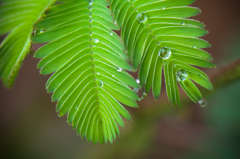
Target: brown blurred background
[30, 127]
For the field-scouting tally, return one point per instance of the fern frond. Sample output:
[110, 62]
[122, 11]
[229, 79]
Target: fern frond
[157, 35]
[88, 61]
[17, 18]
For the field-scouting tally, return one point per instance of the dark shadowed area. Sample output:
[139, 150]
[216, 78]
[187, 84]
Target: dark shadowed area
[30, 127]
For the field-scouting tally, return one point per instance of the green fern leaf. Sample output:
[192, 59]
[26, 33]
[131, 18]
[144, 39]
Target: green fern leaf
[17, 18]
[87, 61]
[157, 35]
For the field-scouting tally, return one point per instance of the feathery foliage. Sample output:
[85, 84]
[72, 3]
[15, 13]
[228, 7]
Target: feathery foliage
[157, 35]
[88, 62]
[87, 59]
[17, 18]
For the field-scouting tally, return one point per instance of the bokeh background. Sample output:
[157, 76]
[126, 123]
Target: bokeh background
[31, 129]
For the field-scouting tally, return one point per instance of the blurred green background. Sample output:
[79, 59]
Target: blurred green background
[30, 127]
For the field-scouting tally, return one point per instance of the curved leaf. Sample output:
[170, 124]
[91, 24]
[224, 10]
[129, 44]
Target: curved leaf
[158, 37]
[17, 18]
[88, 61]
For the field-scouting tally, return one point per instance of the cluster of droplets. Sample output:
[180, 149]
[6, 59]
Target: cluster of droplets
[142, 96]
[90, 2]
[142, 17]
[165, 53]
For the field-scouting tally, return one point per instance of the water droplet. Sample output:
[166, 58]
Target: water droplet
[181, 75]
[174, 65]
[96, 40]
[100, 84]
[138, 81]
[111, 33]
[113, 76]
[144, 94]
[163, 8]
[119, 69]
[136, 90]
[165, 53]
[194, 46]
[90, 2]
[90, 16]
[90, 20]
[136, 10]
[183, 23]
[90, 34]
[202, 103]
[90, 8]
[142, 17]
[200, 74]
[115, 22]
[98, 73]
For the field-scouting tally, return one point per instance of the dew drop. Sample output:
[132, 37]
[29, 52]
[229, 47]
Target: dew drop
[119, 69]
[113, 76]
[90, 16]
[194, 46]
[138, 81]
[90, 2]
[165, 53]
[142, 17]
[115, 22]
[144, 94]
[202, 103]
[96, 40]
[111, 33]
[98, 73]
[90, 20]
[90, 8]
[163, 8]
[183, 23]
[136, 90]
[100, 84]
[181, 75]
